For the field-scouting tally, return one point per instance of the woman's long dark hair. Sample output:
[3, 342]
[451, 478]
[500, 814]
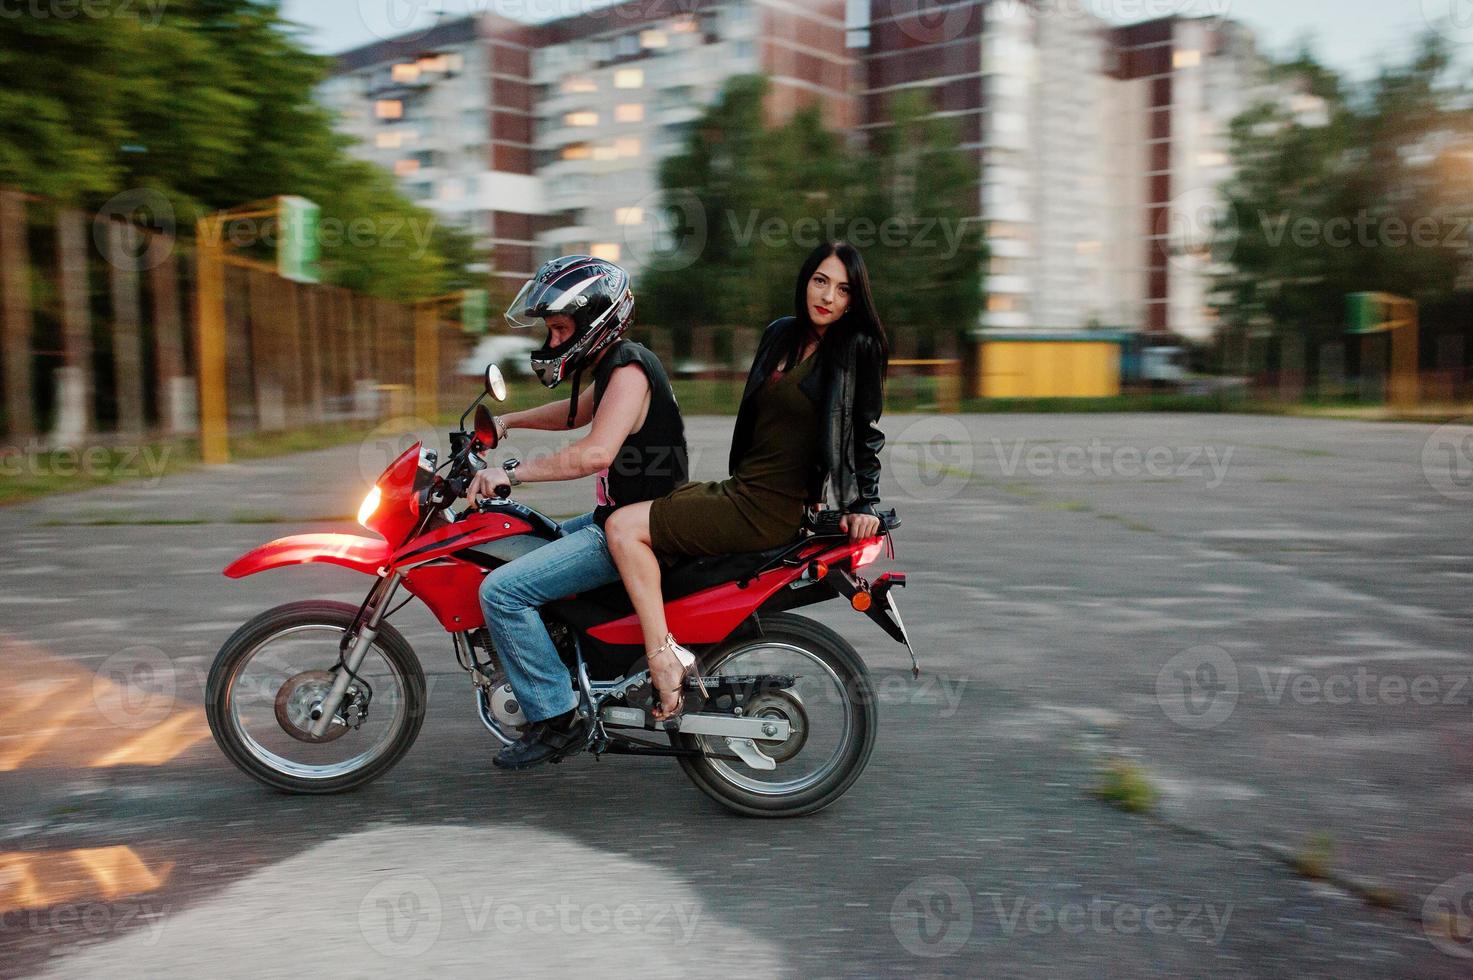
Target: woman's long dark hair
[860, 318]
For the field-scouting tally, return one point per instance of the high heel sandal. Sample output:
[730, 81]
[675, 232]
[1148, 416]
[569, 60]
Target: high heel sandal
[687, 661]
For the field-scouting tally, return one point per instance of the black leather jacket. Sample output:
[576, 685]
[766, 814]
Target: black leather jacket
[848, 389]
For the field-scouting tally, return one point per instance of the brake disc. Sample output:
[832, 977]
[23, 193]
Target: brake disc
[784, 705]
[295, 701]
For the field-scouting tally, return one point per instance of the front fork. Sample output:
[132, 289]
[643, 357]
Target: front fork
[323, 713]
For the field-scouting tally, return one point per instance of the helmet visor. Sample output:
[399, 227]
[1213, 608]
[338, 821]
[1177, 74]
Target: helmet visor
[538, 300]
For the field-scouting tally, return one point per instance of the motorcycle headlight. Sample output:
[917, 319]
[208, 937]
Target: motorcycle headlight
[370, 504]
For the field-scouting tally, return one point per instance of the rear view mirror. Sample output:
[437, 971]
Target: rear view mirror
[495, 383]
[485, 427]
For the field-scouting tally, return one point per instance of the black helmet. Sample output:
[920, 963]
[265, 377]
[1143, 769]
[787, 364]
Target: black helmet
[595, 293]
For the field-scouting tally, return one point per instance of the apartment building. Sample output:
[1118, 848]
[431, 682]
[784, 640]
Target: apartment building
[1098, 149]
[545, 139]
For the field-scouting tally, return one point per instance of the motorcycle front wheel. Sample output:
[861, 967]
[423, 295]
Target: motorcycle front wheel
[830, 710]
[269, 677]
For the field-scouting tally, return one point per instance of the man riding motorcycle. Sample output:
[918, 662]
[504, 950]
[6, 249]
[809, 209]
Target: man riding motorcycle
[636, 447]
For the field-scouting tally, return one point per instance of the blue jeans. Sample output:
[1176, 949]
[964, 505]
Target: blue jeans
[511, 597]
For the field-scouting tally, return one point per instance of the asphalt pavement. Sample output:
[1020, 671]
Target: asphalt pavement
[1264, 620]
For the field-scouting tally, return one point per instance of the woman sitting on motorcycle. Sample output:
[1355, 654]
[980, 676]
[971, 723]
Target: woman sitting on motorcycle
[807, 424]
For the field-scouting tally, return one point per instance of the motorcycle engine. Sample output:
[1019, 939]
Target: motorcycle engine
[504, 706]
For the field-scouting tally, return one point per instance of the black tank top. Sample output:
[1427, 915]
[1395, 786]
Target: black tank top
[652, 461]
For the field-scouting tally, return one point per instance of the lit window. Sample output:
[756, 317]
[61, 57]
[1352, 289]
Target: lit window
[389, 141]
[630, 112]
[605, 151]
[628, 216]
[436, 63]
[607, 252]
[1088, 248]
[406, 167]
[1211, 159]
[389, 109]
[686, 25]
[407, 72]
[581, 119]
[627, 147]
[629, 78]
[577, 151]
[1002, 304]
[1186, 59]
[653, 39]
[579, 86]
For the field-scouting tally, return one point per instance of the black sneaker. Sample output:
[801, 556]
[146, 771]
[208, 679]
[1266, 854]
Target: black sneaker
[546, 741]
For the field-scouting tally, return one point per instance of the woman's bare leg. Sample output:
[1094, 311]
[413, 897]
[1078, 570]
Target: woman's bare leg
[628, 533]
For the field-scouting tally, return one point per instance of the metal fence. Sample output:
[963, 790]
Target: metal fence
[98, 337]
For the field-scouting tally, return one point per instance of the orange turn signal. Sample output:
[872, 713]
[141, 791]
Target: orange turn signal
[862, 601]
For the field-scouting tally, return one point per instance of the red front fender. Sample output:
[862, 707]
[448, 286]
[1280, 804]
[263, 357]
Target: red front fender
[365, 555]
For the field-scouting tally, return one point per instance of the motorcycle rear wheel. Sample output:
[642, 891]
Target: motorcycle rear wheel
[851, 690]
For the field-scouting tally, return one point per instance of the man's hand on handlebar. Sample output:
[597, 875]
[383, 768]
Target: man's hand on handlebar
[489, 483]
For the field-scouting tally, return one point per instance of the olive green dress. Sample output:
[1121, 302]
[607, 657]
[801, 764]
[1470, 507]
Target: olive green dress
[762, 505]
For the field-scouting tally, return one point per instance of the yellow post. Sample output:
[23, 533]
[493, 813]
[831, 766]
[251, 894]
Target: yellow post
[427, 361]
[213, 418]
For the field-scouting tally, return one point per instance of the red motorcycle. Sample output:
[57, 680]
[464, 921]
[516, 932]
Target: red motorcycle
[322, 697]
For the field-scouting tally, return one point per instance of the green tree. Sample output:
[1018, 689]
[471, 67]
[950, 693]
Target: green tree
[766, 195]
[1375, 196]
[212, 106]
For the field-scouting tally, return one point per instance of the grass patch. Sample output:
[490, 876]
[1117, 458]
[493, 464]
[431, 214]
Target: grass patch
[29, 475]
[1129, 523]
[1126, 786]
[1317, 858]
